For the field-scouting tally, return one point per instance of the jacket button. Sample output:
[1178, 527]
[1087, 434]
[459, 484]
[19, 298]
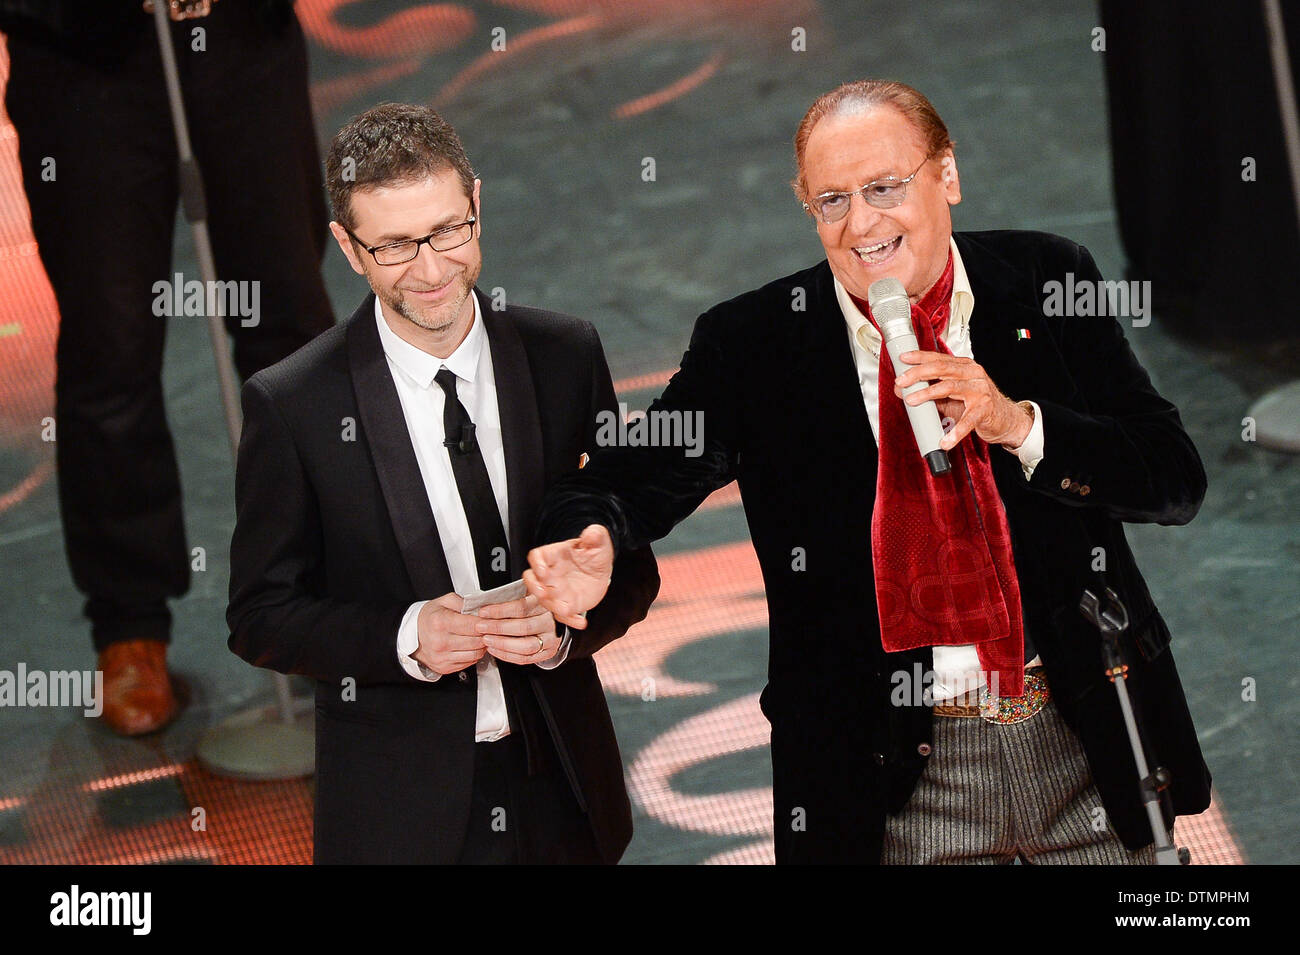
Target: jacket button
[463, 676]
[925, 749]
[1065, 484]
[879, 758]
[1084, 490]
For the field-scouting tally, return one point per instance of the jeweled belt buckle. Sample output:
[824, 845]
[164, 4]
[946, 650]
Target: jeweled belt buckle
[183, 9]
[1005, 710]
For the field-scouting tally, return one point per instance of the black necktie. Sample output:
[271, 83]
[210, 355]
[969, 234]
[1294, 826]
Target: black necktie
[491, 548]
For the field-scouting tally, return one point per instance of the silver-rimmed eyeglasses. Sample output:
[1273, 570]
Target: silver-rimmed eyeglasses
[882, 193]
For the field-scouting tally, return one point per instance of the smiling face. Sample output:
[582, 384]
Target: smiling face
[425, 301]
[908, 242]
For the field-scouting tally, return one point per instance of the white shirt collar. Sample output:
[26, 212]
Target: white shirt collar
[418, 365]
[865, 334]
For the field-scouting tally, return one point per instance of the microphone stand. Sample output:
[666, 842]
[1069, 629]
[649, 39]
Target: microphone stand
[249, 745]
[1111, 622]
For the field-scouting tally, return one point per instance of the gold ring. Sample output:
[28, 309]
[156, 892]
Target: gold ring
[541, 644]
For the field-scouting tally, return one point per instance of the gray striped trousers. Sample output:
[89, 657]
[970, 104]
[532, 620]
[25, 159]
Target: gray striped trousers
[997, 793]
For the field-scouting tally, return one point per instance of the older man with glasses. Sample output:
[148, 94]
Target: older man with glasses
[388, 471]
[934, 694]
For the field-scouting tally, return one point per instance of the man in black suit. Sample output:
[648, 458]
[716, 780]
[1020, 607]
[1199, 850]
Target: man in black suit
[895, 744]
[387, 469]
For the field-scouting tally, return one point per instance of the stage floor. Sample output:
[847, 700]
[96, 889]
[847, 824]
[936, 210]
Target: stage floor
[558, 126]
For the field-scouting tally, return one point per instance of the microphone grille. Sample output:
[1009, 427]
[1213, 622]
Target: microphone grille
[889, 304]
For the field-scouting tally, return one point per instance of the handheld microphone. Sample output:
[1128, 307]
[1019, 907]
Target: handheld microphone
[893, 313]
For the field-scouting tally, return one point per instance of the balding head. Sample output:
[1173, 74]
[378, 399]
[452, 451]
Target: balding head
[862, 96]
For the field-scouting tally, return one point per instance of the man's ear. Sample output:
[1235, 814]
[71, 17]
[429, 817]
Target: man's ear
[345, 243]
[950, 178]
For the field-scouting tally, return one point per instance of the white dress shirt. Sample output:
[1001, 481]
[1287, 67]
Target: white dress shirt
[957, 669]
[422, 401]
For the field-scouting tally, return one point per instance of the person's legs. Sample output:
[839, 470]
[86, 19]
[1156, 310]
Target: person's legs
[998, 792]
[256, 144]
[492, 830]
[518, 818]
[555, 830]
[959, 812]
[552, 828]
[99, 171]
[1059, 816]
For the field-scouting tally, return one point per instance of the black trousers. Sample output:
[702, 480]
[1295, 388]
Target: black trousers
[518, 819]
[522, 809]
[99, 161]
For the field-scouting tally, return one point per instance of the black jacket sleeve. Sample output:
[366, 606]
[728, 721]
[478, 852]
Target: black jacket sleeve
[278, 615]
[641, 493]
[635, 580]
[1129, 448]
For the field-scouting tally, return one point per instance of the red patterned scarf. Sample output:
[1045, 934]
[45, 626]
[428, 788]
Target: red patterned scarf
[941, 546]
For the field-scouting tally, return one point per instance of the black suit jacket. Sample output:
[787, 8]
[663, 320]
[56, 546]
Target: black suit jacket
[335, 538]
[784, 416]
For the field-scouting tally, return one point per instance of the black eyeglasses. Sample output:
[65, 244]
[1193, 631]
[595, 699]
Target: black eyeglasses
[440, 240]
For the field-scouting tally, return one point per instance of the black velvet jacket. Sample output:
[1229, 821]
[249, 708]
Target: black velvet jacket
[783, 415]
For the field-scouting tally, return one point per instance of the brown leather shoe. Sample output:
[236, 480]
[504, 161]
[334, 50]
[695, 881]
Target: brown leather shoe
[138, 694]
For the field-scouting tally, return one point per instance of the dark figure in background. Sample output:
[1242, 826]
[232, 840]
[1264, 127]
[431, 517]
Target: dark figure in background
[1194, 113]
[87, 96]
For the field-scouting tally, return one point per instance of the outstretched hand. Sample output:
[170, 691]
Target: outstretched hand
[570, 577]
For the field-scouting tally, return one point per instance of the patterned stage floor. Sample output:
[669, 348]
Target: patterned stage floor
[558, 125]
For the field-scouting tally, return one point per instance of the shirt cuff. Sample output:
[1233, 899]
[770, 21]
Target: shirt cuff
[1031, 452]
[561, 655]
[408, 641]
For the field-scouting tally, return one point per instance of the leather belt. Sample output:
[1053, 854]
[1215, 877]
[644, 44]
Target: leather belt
[1006, 709]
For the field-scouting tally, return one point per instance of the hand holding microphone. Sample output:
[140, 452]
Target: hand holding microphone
[893, 313]
[961, 387]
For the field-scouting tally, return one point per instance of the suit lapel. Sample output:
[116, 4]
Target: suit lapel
[521, 429]
[1004, 305]
[825, 369]
[1021, 367]
[521, 440]
[398, 472]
